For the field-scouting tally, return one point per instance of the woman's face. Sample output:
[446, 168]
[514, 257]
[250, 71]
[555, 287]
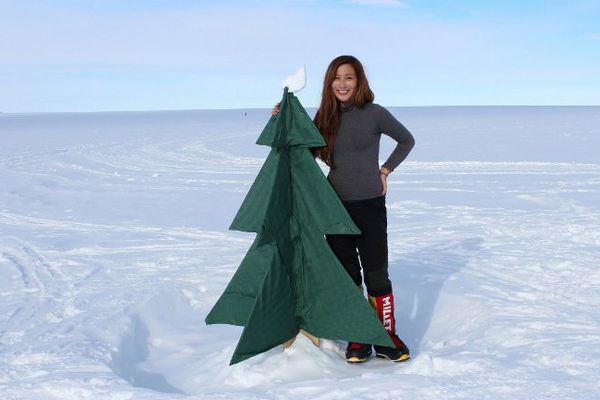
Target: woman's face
[344, 83]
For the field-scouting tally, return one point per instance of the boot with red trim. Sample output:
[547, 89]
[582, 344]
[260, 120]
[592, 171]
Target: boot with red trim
[384, 305]
[357, 352]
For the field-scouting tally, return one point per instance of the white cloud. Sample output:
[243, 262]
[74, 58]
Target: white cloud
[594, 36]
[385, 3]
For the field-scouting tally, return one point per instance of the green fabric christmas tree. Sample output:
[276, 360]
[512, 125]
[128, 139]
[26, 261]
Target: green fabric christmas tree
[290, 279]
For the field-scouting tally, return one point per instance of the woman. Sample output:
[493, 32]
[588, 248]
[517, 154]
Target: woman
[351, 125]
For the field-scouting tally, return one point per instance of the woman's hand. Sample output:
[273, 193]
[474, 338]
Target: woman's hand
[383, 173]
[275, 110]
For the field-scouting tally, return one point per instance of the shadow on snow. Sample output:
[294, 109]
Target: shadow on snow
[418, 279]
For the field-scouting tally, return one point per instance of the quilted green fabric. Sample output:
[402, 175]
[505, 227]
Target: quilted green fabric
[290, 279]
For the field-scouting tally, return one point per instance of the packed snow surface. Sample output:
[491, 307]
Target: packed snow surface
[114, 247]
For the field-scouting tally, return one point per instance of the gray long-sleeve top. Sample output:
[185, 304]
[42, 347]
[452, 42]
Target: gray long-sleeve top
[356, 174]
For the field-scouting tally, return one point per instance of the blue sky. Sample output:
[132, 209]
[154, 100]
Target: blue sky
[75, 55]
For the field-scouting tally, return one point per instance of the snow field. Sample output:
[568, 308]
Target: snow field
[113, 250]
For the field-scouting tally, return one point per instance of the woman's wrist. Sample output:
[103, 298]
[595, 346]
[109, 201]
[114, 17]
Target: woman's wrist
[384, 171]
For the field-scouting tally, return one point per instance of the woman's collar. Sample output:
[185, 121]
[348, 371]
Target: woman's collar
[346, 107]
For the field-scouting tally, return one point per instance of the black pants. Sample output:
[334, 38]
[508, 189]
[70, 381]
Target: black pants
[370, 246]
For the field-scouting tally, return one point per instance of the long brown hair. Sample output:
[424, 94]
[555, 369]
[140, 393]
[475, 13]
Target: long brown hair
[327, 118]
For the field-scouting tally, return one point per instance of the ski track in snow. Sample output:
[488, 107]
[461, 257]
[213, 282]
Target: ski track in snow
[112, 254]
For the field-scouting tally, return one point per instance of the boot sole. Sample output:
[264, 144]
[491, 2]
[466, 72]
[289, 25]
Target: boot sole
[402, 358]
[356, 360]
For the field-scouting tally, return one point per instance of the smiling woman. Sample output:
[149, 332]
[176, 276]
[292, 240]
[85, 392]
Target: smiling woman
[351, 125]
[344, 83]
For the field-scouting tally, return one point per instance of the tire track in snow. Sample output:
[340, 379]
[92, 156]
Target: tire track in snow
[28, 271]
[112, 160]
[35, 278]
[48, 295]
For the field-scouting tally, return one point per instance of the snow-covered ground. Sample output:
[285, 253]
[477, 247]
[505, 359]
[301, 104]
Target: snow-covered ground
[114, 246]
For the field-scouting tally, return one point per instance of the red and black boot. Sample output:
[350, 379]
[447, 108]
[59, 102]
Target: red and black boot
[358, 352]
[384, 305]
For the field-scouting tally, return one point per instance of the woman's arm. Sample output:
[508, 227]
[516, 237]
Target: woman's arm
[390, 126]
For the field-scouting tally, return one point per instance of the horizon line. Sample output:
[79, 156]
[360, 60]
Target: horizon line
[267, 108]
